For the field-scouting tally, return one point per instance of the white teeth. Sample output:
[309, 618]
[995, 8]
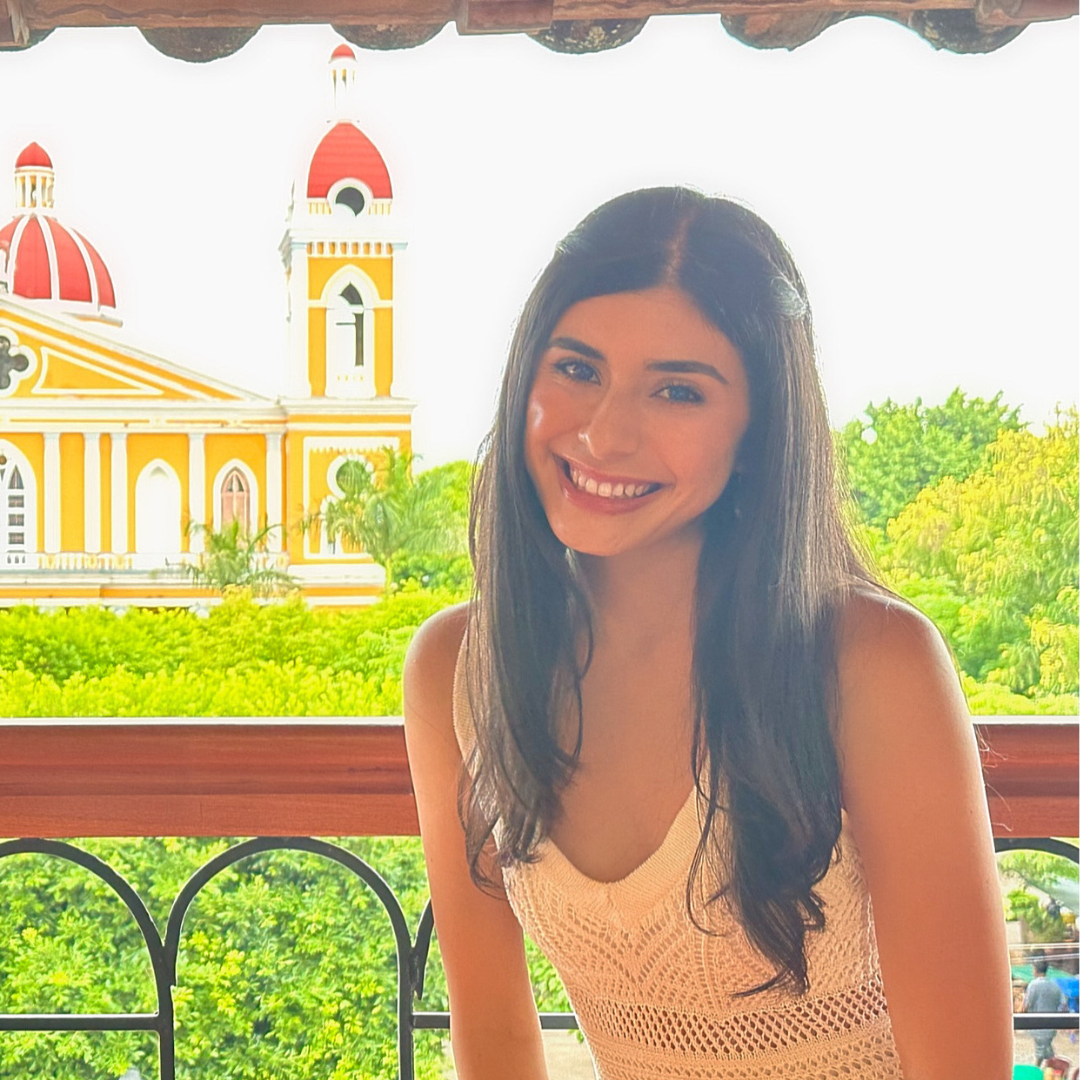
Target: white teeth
[606, 489]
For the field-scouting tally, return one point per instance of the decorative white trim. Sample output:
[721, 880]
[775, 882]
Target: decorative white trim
[253, 492]
[92, 491]
[119, 493]
[141, 504]
[295, 257]
[196, 489]
[201, 414]
[51, 494]
[95, 296]
[50, 254]
[350, 182]
[16, 377]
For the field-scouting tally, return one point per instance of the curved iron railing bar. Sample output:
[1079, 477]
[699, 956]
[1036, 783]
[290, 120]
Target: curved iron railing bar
[1052, 846]
[421, 949]
[345, 858]
[439, 1021]
[160, 1022]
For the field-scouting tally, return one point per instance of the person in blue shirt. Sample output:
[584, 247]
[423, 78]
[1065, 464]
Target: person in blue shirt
[1043, 995]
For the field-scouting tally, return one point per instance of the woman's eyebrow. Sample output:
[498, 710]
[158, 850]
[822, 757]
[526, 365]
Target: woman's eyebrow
[576, 346]
[686, 367]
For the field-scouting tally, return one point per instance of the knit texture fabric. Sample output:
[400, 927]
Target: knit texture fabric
[653, 994]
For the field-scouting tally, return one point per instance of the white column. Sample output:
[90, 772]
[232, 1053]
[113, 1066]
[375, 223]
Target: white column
[52, 492]
[119, 471]
[197, 487]
[299, 382]
[399, 352]
[273, 489]
[91, 492]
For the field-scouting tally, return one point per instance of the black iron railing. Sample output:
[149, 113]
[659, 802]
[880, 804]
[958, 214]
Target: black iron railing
[164, 949]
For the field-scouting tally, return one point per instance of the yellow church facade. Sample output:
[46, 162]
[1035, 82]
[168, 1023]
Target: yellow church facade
[115, 464]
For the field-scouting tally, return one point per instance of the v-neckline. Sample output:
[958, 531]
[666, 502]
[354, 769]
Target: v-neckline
[663, 862]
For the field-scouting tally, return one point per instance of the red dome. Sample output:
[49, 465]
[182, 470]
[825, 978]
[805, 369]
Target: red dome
[347, 153]
[47, 261]
[342, 52]
[33, 157]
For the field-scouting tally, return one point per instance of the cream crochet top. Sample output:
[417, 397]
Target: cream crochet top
[653, 994]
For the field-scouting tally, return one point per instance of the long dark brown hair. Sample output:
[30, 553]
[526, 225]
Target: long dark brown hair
[775, 566]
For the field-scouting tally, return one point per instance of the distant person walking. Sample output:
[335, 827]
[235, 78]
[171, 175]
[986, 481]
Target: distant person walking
[1043, 995]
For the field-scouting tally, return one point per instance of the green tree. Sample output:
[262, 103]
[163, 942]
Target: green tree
[998, 551]
[901, 449]
[385, 510]
[233, 558]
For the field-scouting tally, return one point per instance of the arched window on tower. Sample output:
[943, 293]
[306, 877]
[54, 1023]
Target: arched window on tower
[351, 320]
[350, 339]
[236, 501]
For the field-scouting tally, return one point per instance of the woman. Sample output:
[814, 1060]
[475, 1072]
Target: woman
[680, 734]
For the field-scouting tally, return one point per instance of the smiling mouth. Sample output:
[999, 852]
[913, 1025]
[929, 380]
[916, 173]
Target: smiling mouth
[606, 489]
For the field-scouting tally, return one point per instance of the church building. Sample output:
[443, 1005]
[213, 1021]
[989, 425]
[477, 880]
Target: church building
[109, 456]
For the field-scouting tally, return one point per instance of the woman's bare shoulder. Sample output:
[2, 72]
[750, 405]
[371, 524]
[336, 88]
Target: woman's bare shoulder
[897, 683]
[880, 636]
[428, 677]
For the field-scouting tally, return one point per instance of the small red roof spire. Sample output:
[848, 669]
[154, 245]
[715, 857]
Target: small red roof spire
[33, 157]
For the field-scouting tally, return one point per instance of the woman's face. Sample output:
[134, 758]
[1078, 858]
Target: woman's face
[634, 420]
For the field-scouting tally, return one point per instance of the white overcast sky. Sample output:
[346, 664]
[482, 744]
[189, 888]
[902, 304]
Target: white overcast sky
[930, 198]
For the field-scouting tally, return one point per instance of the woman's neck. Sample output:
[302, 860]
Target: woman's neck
[643, 597]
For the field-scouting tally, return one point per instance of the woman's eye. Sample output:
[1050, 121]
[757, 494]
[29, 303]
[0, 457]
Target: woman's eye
[578, 370]
[681, 393]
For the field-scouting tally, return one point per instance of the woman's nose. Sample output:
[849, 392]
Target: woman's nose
[611, 430]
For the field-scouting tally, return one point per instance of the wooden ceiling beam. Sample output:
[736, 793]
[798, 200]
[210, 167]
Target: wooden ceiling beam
[473, 16]
[206, 29]
[502, 16]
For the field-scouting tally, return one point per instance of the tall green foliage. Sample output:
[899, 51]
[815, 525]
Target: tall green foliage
[996, 555]
[901, 449]
[235, 558]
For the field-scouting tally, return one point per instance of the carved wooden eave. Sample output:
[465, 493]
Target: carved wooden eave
[201, 30]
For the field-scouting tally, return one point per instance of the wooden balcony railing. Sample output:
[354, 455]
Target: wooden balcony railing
[350, 777]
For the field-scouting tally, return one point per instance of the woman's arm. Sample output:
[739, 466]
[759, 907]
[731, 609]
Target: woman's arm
[913, 789]
[494, 1028]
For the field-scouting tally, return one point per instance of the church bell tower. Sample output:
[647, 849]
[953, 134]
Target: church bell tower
[340, 248]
